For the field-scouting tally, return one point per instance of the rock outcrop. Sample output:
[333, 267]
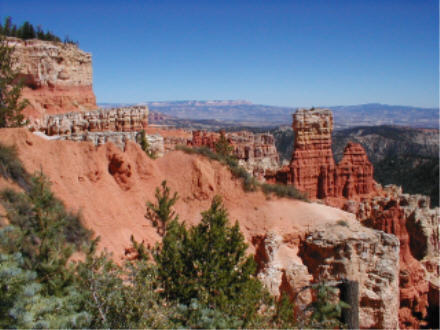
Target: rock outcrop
[117, 125]
[57, 76]
[128, 119]
[257, 152]
[370, 258]
[312, 168]
[120, 139]
[337, 251]
[354, 172]
[417, 227]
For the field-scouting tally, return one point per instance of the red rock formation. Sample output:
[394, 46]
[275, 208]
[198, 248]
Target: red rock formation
[355, 172]
[204, 139]
[257, 153]
[417, 227]
[57, 76]
[313, 170]
[313, 167]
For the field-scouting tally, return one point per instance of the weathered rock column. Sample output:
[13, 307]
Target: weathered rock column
[313, 167]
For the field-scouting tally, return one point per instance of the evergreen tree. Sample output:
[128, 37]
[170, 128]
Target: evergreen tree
[326, 309]
[223, 147]
[161, 214]
[208, 263]
[7, 27]
[141, 137]
[11, 106]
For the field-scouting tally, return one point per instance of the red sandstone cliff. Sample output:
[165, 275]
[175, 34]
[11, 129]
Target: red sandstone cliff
[57, 76]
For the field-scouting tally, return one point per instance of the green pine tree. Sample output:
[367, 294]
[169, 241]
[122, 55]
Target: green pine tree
[161, 214]
[223, 147]
[11, 106]
[209, 263]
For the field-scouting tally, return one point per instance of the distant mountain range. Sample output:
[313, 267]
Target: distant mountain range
[240, 112]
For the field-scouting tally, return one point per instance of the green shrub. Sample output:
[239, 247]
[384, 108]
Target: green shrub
[342, 223]
[282, 190]
[208, 263]
[11, 167]
[142, 140]
[326, 310]
[223, 147]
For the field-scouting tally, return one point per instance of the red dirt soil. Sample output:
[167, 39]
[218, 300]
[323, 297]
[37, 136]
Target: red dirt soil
[110, 187]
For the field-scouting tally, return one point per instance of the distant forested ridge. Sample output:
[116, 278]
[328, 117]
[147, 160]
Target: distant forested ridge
[28, 31]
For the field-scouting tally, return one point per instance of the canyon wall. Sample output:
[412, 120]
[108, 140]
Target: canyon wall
[417, 227]
[256, 152]
[57, 76]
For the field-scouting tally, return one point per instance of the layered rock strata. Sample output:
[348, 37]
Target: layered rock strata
[117, 125]
[120, 139]
[128, 119]
[257, 153]
[370, 258]
[57, 76]
[329, 253]
[313, 170]
[350, 185]
[417, 227]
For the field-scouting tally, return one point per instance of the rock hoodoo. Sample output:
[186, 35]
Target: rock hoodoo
[57, 76]
[350, 185]
[355, 172]
[313, 169]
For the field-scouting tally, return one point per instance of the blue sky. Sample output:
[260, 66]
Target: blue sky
[291, 53]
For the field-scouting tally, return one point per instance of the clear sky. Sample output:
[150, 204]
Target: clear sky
[291, 53]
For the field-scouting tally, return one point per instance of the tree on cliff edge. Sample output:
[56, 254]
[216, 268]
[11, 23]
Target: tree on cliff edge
[11, 106]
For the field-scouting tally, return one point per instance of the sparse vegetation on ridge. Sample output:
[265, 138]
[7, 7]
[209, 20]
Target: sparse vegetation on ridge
[250, 183]
[28, 31]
